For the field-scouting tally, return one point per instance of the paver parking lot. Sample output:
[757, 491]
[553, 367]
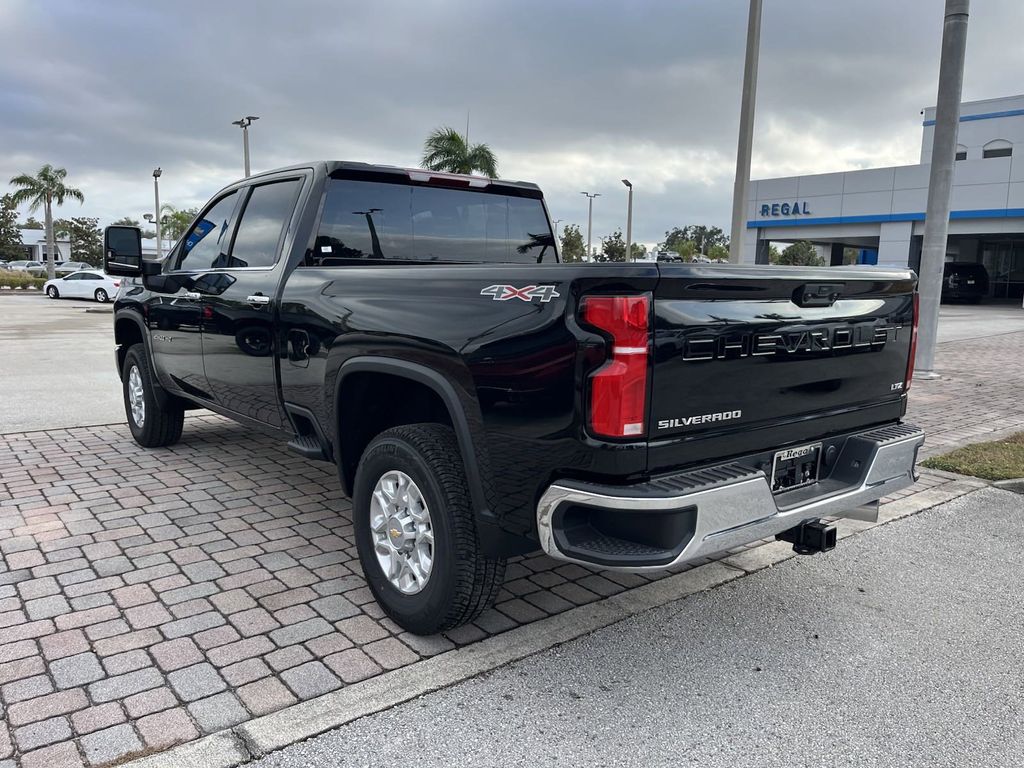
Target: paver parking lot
[149, 597]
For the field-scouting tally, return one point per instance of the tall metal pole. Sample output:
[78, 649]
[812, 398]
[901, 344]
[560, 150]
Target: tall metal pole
[590, 220]
[156, 202]
[746, 139]
[245, 147]
[556, 222]
[629, 221]
[940, 181]
[244, 124]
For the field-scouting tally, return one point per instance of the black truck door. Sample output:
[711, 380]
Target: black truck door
[175, 318]
[238, 296]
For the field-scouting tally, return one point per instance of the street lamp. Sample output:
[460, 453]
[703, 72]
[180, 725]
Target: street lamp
[156, 196]
[244, 124]
[590, 219]
[629, 221]
[556, 222]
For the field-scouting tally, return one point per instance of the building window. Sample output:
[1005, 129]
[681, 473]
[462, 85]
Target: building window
[961, 152]
[997, 148]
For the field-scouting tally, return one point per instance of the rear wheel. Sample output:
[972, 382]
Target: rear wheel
[416, 532]
[101, 296]
[155, 417]
[52, 292]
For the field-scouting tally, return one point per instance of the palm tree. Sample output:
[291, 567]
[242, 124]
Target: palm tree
[448, 150]
[45, 189]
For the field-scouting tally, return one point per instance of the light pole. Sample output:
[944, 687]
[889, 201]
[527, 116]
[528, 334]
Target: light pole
[746, 139]
[629, 221]
[156, 201]
[556, 222]
[590, 219]
[244, 124]
[940, 181]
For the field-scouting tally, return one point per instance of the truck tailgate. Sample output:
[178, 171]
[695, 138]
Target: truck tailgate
[755, 358]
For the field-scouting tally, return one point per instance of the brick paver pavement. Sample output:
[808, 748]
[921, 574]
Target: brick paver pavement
[150, 596]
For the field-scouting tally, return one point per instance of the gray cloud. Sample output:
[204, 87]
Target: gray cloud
[572, 95]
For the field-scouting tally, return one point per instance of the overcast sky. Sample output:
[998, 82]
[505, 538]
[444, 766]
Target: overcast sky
[571, 95]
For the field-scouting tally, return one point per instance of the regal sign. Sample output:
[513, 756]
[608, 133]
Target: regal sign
[796, 208]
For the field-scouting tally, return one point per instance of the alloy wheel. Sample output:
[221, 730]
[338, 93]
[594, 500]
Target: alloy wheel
[403, 537]
[136, 397]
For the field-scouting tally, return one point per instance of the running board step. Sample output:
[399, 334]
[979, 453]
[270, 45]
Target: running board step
[310, 447]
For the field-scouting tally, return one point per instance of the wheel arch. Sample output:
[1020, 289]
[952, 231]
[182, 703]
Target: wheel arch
[419, 375]
[128, 331]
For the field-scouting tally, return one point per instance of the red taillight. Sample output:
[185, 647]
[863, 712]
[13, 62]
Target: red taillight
[618, 389]
[913, 344]
[117, 283]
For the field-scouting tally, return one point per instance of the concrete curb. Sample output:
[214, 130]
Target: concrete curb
[262, 735]
[1015, 484]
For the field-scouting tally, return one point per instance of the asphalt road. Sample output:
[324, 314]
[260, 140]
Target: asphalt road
[58, 364]
[901, 648]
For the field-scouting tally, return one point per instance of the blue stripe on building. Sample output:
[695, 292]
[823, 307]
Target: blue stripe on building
[984, 116]
[981, 213]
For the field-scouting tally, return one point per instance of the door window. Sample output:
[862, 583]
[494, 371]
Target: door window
[209, 238]
[258, 237]
[74, 276]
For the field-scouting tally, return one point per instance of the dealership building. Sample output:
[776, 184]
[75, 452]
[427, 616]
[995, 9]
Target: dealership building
[880, 211]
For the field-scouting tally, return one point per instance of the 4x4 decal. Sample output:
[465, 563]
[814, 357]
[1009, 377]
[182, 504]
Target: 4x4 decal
[527, 293]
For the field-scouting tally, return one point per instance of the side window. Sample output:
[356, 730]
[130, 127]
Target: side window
[258, 235]
[75, 276]
[208, 240]
[364, 220]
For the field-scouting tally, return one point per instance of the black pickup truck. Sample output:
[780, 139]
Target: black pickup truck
[482, 400]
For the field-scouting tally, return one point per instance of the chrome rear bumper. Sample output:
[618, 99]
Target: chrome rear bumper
[724, 506]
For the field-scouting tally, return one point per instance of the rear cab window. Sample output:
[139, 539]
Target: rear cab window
[386, 222]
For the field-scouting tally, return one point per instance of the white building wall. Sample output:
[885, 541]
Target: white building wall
[974, 133]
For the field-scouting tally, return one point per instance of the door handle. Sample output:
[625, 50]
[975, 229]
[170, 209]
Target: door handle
[258, 300]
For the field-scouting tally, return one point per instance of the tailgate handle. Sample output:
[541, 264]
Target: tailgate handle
[818, 294]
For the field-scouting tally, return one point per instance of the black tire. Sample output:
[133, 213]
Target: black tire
[101, 296]
[462, 582]
[52, 292]
[163, 416]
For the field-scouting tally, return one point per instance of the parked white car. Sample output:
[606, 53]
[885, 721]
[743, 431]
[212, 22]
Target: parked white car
[67, 267]
[24, 266]
[84, 284]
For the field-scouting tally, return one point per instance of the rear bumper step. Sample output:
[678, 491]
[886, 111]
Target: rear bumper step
[684, 517]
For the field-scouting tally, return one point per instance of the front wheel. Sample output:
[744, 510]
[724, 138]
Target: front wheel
[416, 533]
[52, 292]
[155, 417]
[101, 296]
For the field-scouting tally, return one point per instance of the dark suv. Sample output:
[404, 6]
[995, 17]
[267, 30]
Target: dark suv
[964, 281]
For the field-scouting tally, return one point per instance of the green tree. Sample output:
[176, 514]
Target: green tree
[448, 150]
[573, 247]
[86, 239]
[717, 251]
[800, 254]
[638, 251]
[128, 221]
[33, 223]
[613, 248]
[11, 246]
[45, 189]
[174, 222]
[702, 238]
